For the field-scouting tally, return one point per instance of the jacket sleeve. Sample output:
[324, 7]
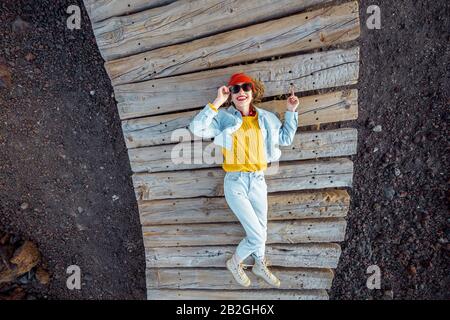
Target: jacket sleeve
[205, 124]
[288, 129]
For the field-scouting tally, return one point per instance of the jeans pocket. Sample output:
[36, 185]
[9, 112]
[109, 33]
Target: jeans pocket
[234, 186]
[232, 177]
[260, 177]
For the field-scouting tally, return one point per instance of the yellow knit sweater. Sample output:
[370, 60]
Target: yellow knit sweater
[247, 153]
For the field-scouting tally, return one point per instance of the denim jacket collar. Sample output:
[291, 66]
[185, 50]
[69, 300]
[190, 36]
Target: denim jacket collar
[233, 110]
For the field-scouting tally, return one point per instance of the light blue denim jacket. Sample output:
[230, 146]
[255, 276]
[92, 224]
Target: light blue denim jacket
[220, 126]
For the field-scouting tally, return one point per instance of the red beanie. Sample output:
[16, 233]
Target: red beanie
[240, 77]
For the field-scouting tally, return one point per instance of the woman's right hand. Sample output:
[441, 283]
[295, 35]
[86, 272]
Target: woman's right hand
[222, 96]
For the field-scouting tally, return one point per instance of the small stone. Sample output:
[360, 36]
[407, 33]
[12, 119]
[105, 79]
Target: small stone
[19, 25]
[417, 139]
[388, 294]
[24, 206]
[375, 149]
[389, 192]
[88, 277]
[412, 270]
[370, 124]
[92, 92]
[23, 279]
[386, 158]
[30, 57]
[80, 210]
[377, 128]
[418, 162]
[114, 197]
[397, 172]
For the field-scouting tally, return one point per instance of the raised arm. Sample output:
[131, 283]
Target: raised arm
[289, 127]
[206, 123]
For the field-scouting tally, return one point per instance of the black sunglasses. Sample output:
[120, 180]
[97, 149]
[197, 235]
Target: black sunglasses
[245, 86]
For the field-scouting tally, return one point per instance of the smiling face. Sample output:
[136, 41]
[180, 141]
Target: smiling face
[242, 98]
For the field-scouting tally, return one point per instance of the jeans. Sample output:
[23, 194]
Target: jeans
[246, 195]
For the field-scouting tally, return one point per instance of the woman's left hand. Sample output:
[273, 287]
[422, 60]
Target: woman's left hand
[292, 101]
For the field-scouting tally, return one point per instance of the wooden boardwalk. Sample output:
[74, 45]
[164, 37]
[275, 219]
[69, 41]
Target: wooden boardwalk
[166, 60]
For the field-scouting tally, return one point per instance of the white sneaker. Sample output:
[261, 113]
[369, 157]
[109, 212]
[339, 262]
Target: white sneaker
[237, 270]
[260, 269]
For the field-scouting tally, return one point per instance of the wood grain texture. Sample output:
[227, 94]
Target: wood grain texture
[187, 155]
[201, 278]
[290, 205]
[288, 176]
[315, 109]
[186, 20]
[205, 294]
[301, 32]
[287, 231]
[166, 60]
[316, 255]
[307, 72]
[99, 10]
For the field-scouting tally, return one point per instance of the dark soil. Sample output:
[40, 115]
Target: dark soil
[63, 155]
[399, 218]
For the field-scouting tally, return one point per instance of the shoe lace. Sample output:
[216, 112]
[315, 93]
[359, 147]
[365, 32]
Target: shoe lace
[264, 263]
[241, 268]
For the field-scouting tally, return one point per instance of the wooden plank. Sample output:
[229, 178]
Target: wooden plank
[155, 130]
[266, 294]
[307, 72]
[199, 278]
[99, 10]
[187, 155]
[293, 175]
[327, 203]
[316, 255]
[320, 108]
[184, 21]
[287, 231]
[301, 32]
